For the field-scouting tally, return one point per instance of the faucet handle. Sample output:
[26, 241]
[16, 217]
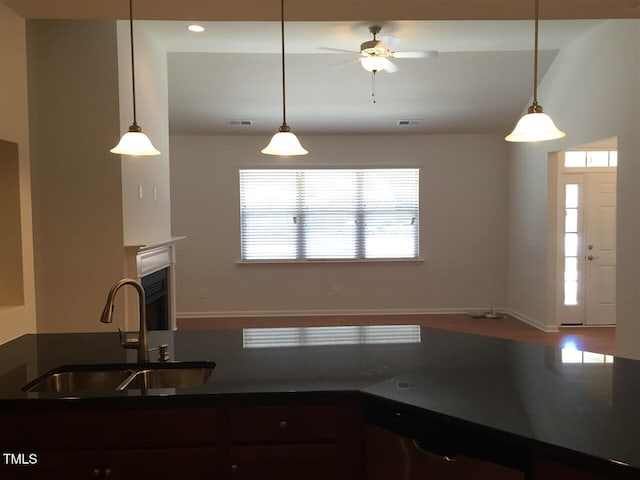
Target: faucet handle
[128, 342]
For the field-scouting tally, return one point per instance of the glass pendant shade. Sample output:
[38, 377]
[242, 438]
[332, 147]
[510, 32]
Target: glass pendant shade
[373, 63]
[135, 143]
[284, 143]
[535, 126]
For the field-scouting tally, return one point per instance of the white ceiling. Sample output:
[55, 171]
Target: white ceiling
[480, 83]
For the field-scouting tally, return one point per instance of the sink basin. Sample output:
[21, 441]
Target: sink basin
[188, 375]
[72, 379]
[96, 379]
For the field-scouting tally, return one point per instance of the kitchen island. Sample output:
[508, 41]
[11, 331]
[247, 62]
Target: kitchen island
[497, 400]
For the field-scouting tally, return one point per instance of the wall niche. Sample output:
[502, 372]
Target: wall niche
[11, 281]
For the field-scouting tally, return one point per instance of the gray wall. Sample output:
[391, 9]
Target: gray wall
[462, 237]
[77, 189]
[592, 92]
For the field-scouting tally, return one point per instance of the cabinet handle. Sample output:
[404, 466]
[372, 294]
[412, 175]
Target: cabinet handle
[234, 468]
[283, 425]
[447, 458]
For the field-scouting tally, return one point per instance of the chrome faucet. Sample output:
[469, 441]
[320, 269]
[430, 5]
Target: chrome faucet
[107, 317]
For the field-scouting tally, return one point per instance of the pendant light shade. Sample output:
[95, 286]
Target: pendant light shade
[134, 142]
[284, 142]
[535, 126]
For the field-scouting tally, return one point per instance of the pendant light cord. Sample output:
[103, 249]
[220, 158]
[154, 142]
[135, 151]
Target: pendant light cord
[284, 100]
[535, 57]
[133, 69]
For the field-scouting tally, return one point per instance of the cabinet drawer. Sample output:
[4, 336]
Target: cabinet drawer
[283, 423]
[284, 462]
[134, 428]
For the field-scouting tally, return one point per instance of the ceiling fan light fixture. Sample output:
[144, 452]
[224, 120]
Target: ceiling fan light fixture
[373, 63]
[535, 126]
[134, 142]
[284, 143]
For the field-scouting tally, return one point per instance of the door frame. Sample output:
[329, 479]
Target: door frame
[558, 314]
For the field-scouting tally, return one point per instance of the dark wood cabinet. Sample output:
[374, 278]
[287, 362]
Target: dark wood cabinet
[287, 441]
[112, 443]
[546, 469]
[191, 463]
[391, 456]
[256, 440]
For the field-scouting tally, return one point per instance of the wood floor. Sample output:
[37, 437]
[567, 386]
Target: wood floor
[592, 339]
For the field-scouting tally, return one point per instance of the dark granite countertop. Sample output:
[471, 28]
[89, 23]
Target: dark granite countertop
[584, 403]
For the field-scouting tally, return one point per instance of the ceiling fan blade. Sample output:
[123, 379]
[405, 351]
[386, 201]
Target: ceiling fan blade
[389, 66]
[340, 65]
[340, 50]
[390, 41]
[423, 54]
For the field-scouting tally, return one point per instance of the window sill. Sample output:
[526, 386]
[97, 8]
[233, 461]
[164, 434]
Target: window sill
[332, 261]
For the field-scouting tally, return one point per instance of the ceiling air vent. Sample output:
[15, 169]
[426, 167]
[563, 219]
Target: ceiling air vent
[409, 123]
[241, 123]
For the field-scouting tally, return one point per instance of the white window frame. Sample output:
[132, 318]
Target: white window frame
[358, 211]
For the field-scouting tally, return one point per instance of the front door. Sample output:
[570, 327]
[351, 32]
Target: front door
[600, 250]
[588, 229]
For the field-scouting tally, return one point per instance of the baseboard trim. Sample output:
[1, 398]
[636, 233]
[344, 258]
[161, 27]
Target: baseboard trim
[531, 321]
[331, 313]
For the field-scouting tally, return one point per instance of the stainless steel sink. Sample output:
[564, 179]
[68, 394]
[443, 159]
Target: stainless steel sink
[100, 379]
[72, 379]
[181, 377]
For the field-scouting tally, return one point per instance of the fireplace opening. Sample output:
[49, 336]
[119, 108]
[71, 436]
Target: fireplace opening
[156, 289]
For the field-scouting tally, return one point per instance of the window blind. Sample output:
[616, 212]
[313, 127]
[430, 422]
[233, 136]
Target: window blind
[346, 335]
[315, 214]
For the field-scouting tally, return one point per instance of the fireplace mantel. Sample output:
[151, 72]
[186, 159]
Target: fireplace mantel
[142, 260]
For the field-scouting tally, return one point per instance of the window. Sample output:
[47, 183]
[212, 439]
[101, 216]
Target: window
[571, 204]
[320, 214]
[590, 158]
[347, 335]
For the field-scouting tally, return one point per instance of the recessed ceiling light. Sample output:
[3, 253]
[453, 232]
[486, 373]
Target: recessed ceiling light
[195, 28]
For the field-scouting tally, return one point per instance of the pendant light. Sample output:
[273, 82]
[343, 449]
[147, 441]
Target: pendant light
[134, 142]
[284, 142]
[535, 126]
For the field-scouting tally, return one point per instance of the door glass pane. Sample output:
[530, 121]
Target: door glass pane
[571, 293]
[571, 269]
[598, 158]
[571, 244]
[575, 159]
[571, 196]
[571, 220]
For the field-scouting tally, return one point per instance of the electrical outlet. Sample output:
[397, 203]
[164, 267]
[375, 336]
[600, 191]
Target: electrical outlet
[335, 291]
[202, 293]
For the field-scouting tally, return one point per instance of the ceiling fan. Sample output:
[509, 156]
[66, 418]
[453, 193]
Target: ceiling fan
[375, 55]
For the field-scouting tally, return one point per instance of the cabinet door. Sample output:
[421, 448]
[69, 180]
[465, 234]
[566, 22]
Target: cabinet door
[283, 424]
[284, 462]
[391, 456]
[170, 463]
[70, 465]
[544, 469]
